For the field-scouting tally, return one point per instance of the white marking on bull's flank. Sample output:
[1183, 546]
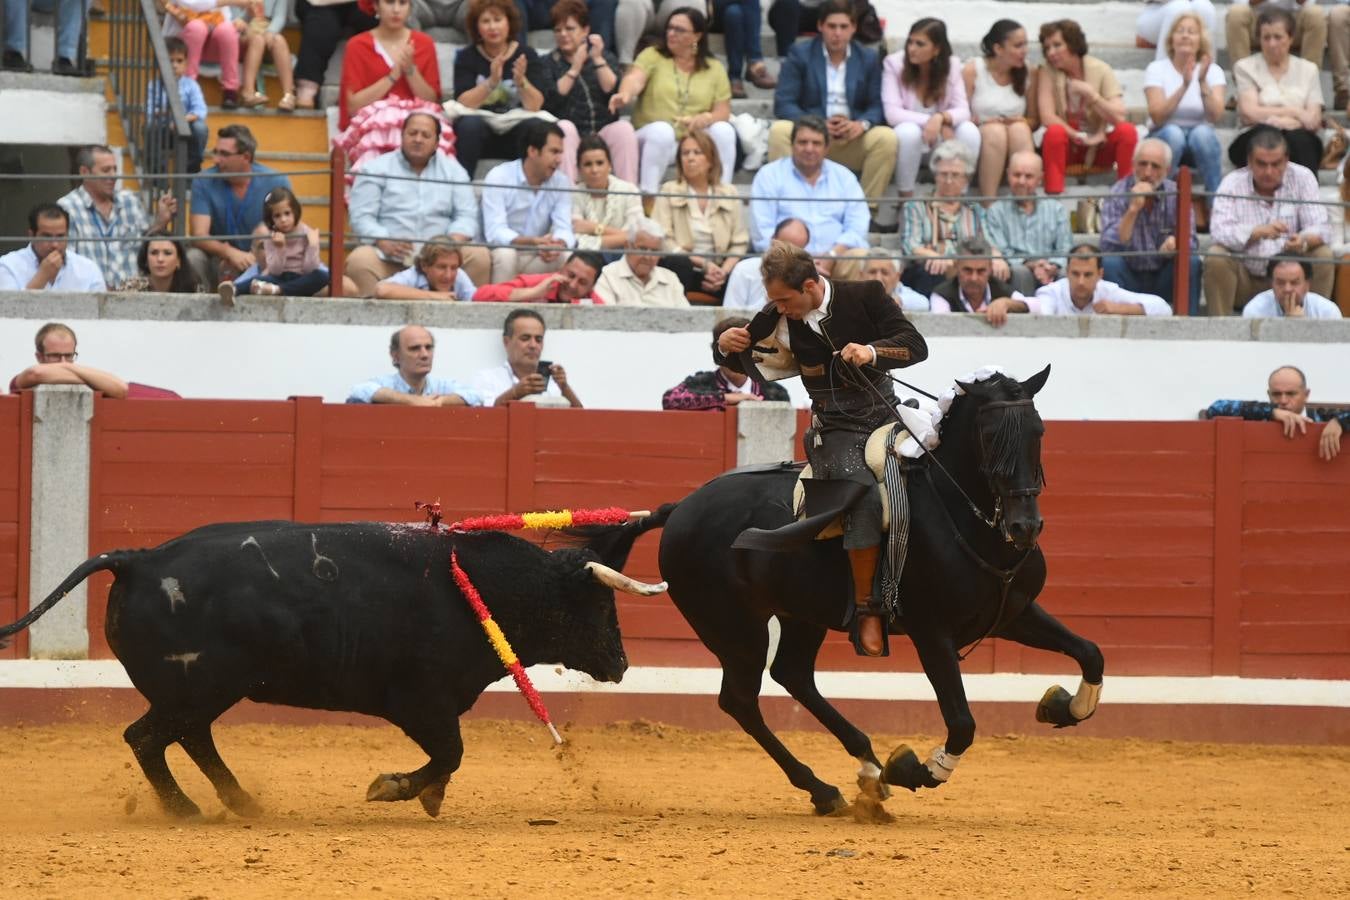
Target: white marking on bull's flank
[251, 541]
[185, 658]
[174, 592]
[324, 568]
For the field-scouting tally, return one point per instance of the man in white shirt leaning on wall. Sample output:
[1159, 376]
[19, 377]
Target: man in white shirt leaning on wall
[1083, 292]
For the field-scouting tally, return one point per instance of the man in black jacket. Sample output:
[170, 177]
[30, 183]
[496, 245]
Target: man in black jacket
[843, 336]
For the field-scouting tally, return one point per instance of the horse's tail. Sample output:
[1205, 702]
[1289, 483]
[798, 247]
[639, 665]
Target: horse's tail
[104, 562]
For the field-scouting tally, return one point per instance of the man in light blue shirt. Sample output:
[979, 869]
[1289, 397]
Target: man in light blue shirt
[1289, 296]
[406, 194]
[807, 186]
[412, 349]
[536, 224]
[46, 264]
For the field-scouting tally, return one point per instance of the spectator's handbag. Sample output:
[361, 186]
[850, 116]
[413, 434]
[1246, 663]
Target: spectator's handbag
[499, 122]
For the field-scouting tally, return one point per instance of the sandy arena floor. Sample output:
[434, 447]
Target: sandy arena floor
[647, 810]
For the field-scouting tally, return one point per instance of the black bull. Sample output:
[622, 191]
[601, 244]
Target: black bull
[951, 590]
[357, 617]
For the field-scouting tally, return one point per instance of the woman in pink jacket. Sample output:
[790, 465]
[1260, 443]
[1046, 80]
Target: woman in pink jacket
[925, 100]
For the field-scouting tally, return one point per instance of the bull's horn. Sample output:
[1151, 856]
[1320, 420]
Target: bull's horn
[621, 582]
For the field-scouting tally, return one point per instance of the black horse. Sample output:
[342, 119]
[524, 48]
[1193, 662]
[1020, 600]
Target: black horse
[968, 575]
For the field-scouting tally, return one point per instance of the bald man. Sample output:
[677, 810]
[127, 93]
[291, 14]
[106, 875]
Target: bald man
[412, 350]
[1030, 229]
[1287, 390]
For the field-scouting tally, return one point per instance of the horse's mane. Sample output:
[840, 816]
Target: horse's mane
[1005, 446]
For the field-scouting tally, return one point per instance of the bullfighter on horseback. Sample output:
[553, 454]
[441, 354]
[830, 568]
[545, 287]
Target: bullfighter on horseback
[843, 335]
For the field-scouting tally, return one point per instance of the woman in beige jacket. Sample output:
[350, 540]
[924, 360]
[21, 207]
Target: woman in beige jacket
[704, 218]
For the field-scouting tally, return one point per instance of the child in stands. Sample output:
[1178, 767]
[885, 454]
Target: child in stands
[290, 250]
[266, 19]
[194, 104]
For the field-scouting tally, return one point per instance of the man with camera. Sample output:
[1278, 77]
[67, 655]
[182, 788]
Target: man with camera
[1140, 215]
[525, 374]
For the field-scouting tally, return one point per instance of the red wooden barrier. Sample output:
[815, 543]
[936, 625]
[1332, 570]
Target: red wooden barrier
[1183, 548]
[16, 447]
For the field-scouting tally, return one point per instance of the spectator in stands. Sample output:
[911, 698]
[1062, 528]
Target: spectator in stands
[580, 76]
[932, 227]
[437, 274]
[1082, 107]
[56, 364]
[742, 21]
[821, 193]
[207, 25]
[263, 35]
[230, 207]
[1338, 55]
[1267, 207]
[163, 269]
[1084, 292]
[1184, 91]
[99, 211]
[745, 284]
[704, 222]
[538, 15]
[1307, 28]
[1031, 230]
[527, 203]
[46, 264]
[635, 278]
[1141, 216]
[885, 268]
[925, 100]
[973, 289]
[158, 110]
[1001, 88]
[70, 20]
[323, 25]
[604, 206]
[1279, 90]
[678, 87]
[290, 253]
[1289, 296]
[1158, 18]
[404, 194]
[573, 283]
[524, 373]
[389, 62]
[838, 79]
[412, 350]
[1288, 391]
[495, 75]
[721, 387]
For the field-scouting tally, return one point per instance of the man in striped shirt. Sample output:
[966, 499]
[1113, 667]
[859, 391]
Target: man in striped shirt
[1031, 230]
[1270, 206]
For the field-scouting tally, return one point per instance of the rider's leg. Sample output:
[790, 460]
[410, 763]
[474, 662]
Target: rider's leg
[863, 561]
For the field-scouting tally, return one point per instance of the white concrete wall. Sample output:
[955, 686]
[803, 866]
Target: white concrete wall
[1093, 378]
[52, 117]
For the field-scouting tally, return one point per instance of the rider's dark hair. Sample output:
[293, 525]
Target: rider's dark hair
[791, 265]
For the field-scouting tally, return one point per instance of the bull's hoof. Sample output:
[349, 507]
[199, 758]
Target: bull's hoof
[832, 805]
[1054, 708]
[433, 795]
[388, 787]
[903, 769]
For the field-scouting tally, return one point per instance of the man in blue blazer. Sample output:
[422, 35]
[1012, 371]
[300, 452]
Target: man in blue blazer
[838, 79]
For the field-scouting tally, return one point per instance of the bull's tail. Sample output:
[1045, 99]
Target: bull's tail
[101, 563]
[613, 543]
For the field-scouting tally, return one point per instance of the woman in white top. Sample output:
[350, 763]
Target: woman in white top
[1002, 101]
[1185, 98]
[1158, 16]
[604, 206]
[1276, 88]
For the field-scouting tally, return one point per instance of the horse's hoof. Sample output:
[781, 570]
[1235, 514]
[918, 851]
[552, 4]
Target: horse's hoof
[245, 807]
[903, 769]
[388, 787]
[874, 785]
[833, 805]
[433, 795]
[1054, 708]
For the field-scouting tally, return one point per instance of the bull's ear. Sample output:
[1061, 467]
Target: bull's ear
[1034, 384]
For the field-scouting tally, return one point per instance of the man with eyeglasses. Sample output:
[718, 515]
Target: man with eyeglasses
[56, 364]
[1287, 388]
[229, 207]
[47, 264]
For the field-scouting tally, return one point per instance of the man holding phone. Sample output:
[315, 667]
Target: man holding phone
[1140, 215]
[525, 373]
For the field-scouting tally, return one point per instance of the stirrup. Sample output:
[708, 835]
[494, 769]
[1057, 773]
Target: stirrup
[872, 607]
